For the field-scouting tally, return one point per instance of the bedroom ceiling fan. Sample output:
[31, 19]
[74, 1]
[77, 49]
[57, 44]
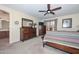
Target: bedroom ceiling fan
[50, 11]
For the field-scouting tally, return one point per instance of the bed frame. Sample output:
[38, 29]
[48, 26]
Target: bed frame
[68, 49]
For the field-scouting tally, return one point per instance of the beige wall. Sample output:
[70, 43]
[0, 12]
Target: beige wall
[15, 28]
[75, 22]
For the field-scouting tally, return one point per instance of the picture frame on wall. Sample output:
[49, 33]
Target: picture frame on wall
[67, 23]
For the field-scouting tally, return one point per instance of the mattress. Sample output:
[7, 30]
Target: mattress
[74, 35]
[64, 38]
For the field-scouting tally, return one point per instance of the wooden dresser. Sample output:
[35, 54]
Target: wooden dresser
[42, 28]
[42, 31]
[27, 33]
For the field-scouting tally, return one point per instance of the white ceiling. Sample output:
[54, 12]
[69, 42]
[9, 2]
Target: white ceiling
[32, 9]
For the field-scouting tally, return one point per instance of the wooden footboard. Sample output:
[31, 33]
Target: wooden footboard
[68, 49]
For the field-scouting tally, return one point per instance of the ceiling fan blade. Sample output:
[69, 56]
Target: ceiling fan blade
[52, 13]
[42, 11]
[46, 13]
[48, 6]
[56, 9]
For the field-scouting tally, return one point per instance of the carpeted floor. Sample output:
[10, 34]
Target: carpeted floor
[4, 43]
[32, 46]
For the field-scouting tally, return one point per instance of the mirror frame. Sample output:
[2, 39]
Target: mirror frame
[28, 20]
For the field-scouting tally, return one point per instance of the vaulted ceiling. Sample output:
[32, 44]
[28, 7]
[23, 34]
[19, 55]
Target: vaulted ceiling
[32, 9]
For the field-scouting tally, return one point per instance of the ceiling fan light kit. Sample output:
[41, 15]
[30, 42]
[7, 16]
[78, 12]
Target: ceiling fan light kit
[50, 11]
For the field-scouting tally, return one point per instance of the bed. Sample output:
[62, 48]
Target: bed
[65, 41]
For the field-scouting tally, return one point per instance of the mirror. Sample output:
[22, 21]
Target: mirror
[27, 22]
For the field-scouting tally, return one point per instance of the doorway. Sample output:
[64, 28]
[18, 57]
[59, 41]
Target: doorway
[51, 25]
[4, 29]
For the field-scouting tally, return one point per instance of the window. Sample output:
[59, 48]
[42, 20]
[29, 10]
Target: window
[51, 25]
